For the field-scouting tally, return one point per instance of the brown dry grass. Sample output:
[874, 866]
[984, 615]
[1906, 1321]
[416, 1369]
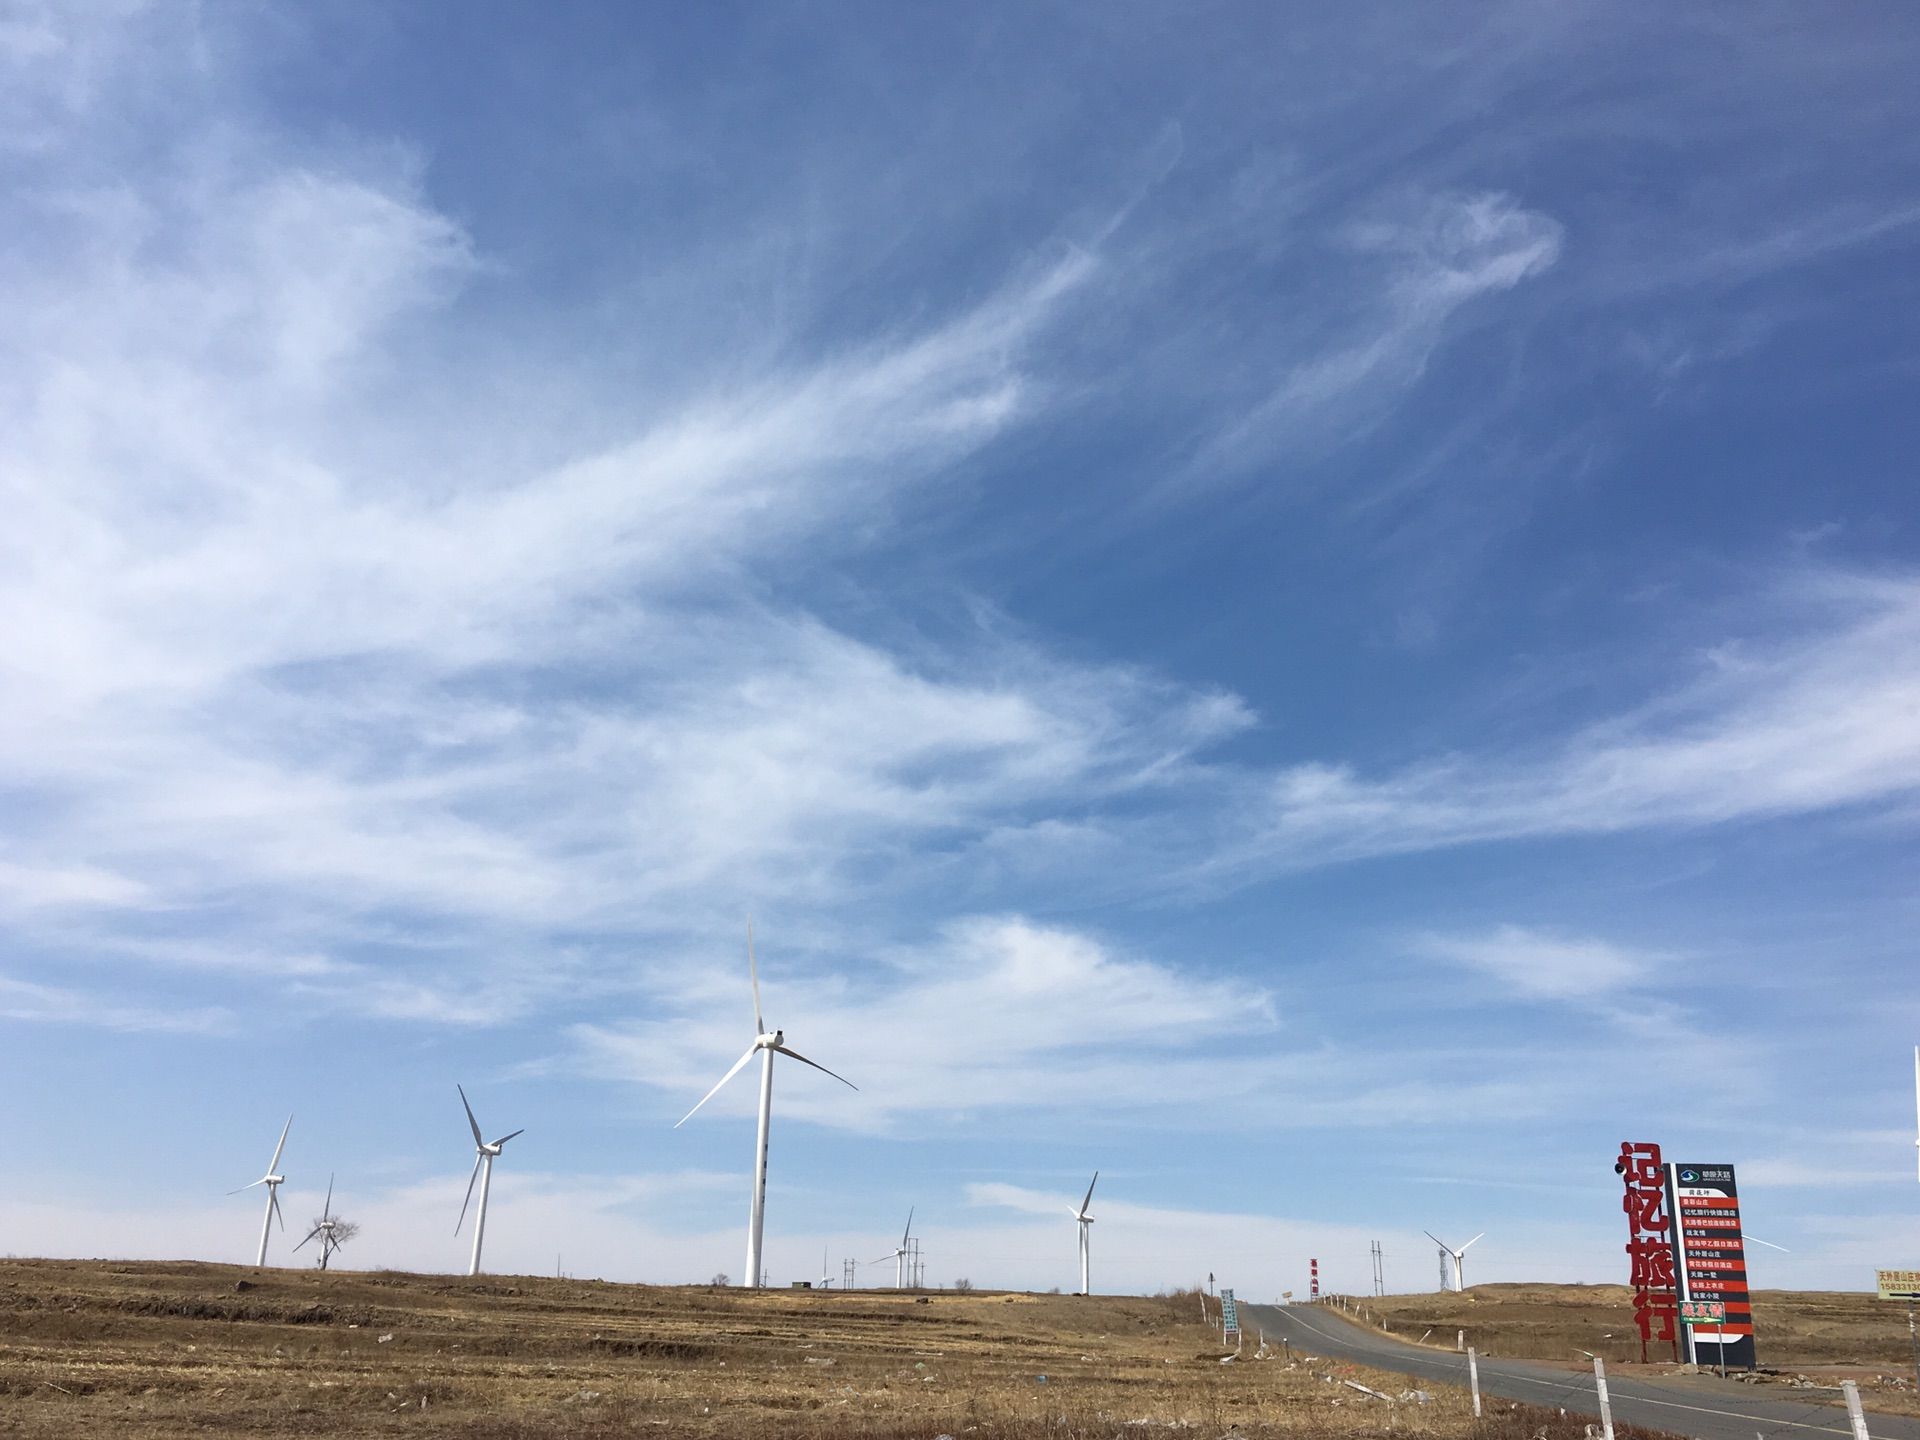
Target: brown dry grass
[163, 1350]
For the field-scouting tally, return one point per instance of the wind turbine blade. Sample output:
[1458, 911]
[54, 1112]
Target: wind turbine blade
[753, 974]
[1089, 1200]
[274, 1197]
[816, 1065]
[326, 1210]
[244, 1188]
[1769, 1244]
[738, 1066]
[909, 1230]
[469, 1200]
[274, 1164]
[881, 1259]
[504, 1138]
[310, 1234]
[1470, 1244]
[1438, 1241]
[472, 1123]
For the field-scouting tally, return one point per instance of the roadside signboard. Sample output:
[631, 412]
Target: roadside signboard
[1702, 1312]
[1649, 1243]
[1710, 1261]
[1898, 1284]
[1229, 1313]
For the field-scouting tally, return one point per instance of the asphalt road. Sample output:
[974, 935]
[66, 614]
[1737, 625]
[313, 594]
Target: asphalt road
[1704, 1406]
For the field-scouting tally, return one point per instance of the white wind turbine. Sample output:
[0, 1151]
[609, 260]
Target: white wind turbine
[324, 1228]
[1459, 1271]
[899, 1255]
[826, 1276]
[765, 1043]
[272, 1180]
[1085, 1220]
[483, 1160]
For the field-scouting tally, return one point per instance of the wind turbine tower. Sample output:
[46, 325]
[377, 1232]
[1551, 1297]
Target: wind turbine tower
[766, 1043]
[900, 1253]
[1459, 1270]
[273, 1180]
[324, 1228]
[484, 1156]
[1086, 1218]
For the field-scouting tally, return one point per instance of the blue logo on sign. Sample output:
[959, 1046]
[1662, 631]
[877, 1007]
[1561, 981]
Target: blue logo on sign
[1687, 1177]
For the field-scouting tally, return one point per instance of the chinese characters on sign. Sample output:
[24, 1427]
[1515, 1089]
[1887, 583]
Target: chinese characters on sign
[1710, 1261]
[1229, 1313]
[1649, 1243]
[1702, 1312]
[1898, 1284]
[1313, 1273]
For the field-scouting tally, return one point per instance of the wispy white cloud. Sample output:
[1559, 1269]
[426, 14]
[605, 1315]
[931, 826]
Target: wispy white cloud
[26, 886]
[37, 1004]
[1819, 719]
[1072, 1023]
[1544, 965]
[1458, 249]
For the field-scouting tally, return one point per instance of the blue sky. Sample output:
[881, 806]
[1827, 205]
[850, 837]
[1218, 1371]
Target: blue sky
[1319, 614]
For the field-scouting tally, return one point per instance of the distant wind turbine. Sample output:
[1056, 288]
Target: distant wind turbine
[482, 1161]
[899, 1255]
[826, 1276]
[324, 1228]
[273, 1179]
[766, 1043]
[1459, 1270]
[1085, 1220]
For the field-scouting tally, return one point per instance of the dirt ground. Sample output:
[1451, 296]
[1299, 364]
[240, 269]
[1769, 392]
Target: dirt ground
[1815, 1337]
[153, 1350]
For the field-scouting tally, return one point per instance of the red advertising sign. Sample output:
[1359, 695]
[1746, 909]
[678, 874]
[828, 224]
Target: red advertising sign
[1649, 1243]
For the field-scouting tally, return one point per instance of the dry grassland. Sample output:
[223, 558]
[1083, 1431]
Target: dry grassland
[162, 1350]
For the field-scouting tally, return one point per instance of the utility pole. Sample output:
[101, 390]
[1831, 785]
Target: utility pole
[1379, 1270]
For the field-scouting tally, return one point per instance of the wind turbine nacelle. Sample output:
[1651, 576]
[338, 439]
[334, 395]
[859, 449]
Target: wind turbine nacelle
[773, 1041]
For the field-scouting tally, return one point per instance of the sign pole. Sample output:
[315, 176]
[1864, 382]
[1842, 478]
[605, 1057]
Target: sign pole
[1606, 1404]
[1913, 1340]
[1904, 1285]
